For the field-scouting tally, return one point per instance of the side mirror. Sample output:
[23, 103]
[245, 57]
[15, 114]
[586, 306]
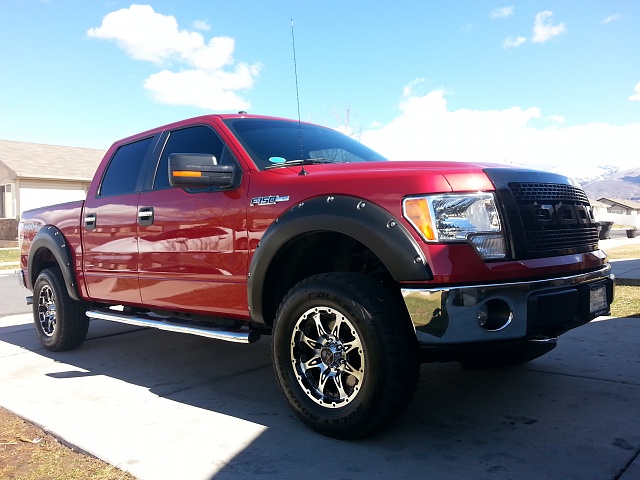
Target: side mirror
[199, 170]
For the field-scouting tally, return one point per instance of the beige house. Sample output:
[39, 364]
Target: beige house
[34, 175]
[621, 206]
[599, 208]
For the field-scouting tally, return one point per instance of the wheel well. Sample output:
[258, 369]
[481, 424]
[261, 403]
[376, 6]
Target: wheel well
[42, 258]
[315, 253]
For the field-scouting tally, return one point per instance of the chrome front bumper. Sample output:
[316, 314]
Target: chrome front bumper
[533, 309]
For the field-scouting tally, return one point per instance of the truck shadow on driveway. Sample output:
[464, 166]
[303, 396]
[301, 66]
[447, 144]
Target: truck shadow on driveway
[574, 412]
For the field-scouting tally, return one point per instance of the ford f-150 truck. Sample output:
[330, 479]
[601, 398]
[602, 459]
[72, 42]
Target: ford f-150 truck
[233, 226]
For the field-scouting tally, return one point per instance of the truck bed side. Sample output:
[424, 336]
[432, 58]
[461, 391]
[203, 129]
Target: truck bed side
[63, 220]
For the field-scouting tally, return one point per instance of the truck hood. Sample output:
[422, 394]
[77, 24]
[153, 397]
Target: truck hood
[460, 176]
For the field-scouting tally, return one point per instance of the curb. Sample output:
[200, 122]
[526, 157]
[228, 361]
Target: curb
[9, 271]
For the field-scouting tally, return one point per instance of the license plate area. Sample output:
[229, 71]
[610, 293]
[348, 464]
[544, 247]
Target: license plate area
[598, 298]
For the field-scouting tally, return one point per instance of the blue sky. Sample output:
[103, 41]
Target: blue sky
[538, 83]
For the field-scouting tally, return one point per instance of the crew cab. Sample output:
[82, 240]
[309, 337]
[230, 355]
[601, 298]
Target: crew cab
[237, 226]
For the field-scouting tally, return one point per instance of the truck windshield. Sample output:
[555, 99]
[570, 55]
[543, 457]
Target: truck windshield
[272, 142]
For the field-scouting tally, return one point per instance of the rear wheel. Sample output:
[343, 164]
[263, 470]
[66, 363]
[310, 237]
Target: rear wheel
[344, 354]
[60, 321]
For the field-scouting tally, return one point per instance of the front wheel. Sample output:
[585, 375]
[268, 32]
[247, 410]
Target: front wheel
[60, 321]
[344, 354]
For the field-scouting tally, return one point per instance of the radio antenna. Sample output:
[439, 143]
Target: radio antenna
[295, 72]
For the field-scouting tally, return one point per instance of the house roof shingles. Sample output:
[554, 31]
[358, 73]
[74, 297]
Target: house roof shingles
[52, 162]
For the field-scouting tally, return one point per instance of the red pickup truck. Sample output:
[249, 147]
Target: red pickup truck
[233, 226]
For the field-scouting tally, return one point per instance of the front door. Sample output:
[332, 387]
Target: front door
[193, 242]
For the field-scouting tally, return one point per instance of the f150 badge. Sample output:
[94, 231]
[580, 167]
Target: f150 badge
[268, 200]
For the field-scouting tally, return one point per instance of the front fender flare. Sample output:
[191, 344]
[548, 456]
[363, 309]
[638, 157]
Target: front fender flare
[52, 239]
[364, 221]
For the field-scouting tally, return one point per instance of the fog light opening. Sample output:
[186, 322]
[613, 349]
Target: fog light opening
[494, 315]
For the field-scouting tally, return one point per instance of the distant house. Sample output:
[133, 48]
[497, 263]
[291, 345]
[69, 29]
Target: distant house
[599, 208]
[621, 206]
[34, 175]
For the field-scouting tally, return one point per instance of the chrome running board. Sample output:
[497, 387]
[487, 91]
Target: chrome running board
[172, 324]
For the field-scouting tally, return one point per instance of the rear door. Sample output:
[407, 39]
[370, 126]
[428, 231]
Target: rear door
[193, 242]
[110, 226]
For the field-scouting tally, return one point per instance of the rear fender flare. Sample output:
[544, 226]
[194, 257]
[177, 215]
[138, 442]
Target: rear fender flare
[52, 239]
[364, 221]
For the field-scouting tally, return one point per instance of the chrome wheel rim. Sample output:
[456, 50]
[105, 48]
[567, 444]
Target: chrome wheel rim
[47, 312]
[327, 357]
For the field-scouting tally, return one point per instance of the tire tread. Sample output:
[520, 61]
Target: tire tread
[398, 343]
[72, 324]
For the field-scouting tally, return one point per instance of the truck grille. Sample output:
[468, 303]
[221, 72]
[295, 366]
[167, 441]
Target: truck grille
[556, 219]
[532, 192]
[547, 216]
[547, 241]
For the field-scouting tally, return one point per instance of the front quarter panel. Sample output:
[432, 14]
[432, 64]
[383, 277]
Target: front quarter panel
[361, 220]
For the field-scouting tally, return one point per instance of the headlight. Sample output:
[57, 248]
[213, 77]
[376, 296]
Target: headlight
[469, 218]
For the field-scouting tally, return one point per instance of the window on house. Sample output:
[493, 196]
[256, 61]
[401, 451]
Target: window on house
[6, 201]
[3, 213]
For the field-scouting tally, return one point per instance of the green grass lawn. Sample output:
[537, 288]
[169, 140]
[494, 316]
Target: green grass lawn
[627, 293]
[624, 252]
[9, 255]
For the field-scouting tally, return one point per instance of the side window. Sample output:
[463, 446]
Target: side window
[198, 139]
[123, 170]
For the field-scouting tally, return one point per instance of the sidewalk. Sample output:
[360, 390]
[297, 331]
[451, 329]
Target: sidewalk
[628, 268]
[164, 406]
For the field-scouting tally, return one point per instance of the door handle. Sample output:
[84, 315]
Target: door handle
[90, 221]
[145, 216]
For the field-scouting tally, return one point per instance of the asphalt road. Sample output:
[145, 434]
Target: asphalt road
[167, 406]
[12, 295]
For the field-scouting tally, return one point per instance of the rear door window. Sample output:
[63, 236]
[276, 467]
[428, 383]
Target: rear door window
[123, 172]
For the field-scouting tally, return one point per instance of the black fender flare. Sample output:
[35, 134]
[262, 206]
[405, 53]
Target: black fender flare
[52, 239]
[364, 221]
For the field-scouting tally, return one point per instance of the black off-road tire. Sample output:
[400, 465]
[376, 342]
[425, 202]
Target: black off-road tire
[60, 321]
[345, 355]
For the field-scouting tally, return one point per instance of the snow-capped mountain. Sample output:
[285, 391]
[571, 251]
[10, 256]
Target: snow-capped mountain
[623, 184]
[586, 175]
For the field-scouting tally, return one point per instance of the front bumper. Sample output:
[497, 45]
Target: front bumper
[447, 316]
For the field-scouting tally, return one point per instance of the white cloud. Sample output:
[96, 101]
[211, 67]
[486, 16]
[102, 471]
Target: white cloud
[411, 89]
[557, 118]
[210, 90]
[513, 42]
[201, 25]
[636, 96]
[612, 18]
[208, 76]
[544, 31]
[502, 12]
[426, 129]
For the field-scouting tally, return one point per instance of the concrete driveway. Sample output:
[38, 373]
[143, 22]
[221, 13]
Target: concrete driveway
[171, 406]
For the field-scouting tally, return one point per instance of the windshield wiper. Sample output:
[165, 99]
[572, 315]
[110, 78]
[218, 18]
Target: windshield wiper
[304, 161]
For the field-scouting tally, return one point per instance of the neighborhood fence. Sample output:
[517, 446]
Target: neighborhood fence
[619, 219]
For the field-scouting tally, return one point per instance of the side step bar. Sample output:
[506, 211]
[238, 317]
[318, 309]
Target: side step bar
[173, 324]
